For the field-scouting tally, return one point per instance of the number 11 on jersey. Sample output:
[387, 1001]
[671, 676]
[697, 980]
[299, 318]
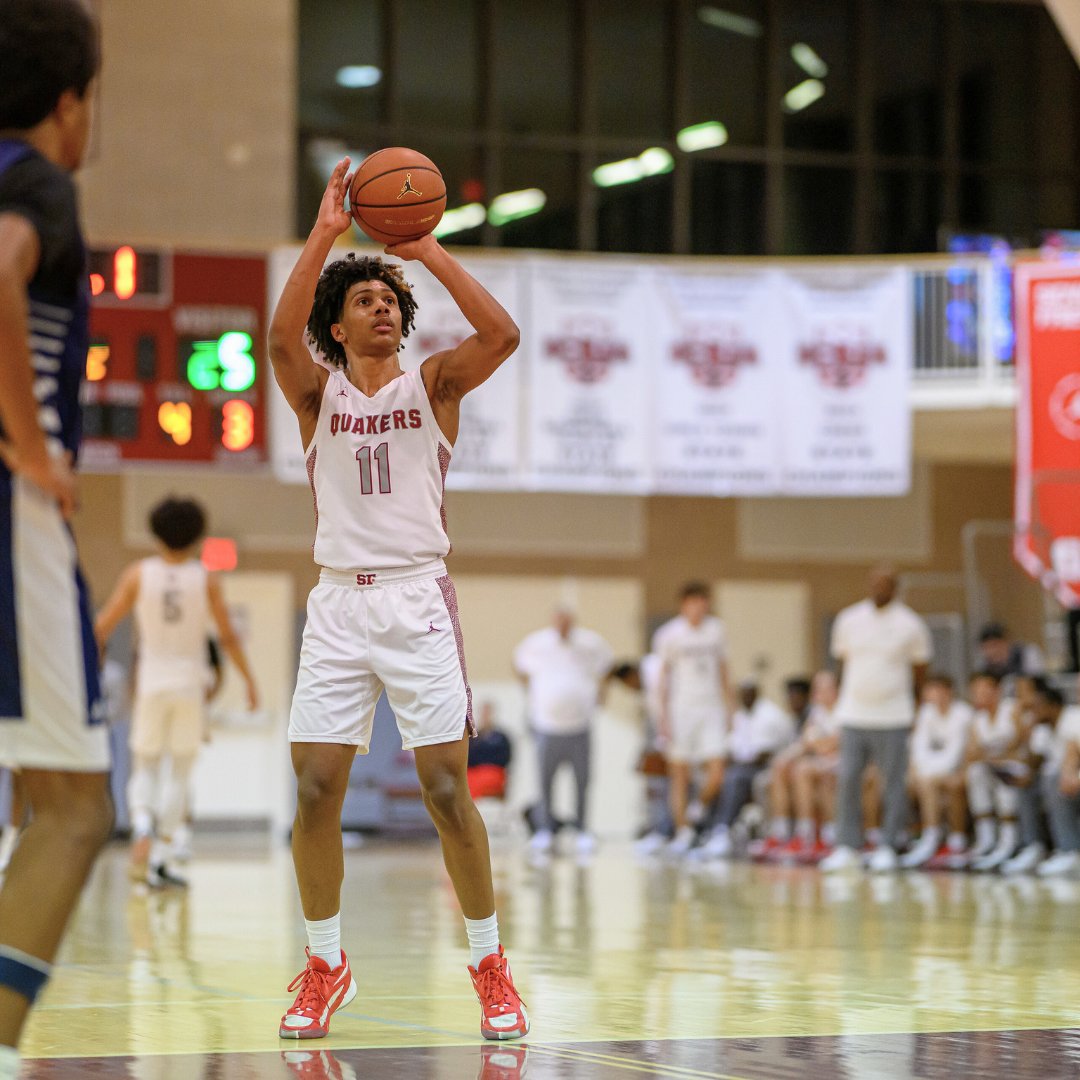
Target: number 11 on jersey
[381, 454]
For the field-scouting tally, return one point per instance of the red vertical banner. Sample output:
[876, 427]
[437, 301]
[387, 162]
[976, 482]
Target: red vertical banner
[1047, 497]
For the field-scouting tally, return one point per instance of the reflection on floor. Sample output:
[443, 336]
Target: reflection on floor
[628, 966]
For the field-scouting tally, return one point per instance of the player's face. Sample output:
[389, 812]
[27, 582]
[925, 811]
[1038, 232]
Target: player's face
[370, 319]
[984, 694]
[694, 609]
[938, 695]
[76, 116]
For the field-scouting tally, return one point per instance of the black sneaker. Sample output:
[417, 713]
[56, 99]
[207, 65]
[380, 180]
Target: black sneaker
[161, 877]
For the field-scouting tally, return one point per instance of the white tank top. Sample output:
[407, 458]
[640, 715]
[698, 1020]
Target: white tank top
[377, 467]
[171, 615]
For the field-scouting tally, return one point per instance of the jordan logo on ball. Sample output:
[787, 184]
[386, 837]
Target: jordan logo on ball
[407, 188]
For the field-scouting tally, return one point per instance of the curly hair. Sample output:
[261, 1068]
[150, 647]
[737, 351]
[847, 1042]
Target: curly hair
[335, 282]
[178, 523]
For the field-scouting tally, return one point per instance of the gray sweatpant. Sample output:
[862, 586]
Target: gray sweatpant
[556, 750]
[888, 750]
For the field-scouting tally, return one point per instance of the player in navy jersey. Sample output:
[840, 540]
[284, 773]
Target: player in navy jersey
[50, 711]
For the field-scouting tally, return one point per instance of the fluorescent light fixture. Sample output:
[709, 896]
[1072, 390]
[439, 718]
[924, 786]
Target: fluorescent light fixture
[358, 76]
[461, 218]
[515, 204]
[804, 94]
[808, 60]
[702, 136]
[655, 160]
[720, 19]
[651, 162]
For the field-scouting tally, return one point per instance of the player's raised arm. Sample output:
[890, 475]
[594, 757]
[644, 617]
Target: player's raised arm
[301, 381]
[452, 374]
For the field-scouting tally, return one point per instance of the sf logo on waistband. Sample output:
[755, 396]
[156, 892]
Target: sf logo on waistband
[407, 188]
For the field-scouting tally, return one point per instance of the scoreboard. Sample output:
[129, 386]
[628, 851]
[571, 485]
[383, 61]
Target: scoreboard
[176, 369]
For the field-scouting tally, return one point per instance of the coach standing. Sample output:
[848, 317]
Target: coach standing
[883, 649]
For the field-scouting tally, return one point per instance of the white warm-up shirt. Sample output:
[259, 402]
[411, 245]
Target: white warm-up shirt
[1049, 743]
[822, 723]
[692, 656]
[878, 646]
[564, 677]
[377, 468]
[763, 729]
[994, 732]
[940, 739]
[171, 614]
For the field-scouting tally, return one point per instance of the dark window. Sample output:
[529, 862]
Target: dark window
[636, 217]
[556, 175]
[728, 209]
[907, 211]
[818, 216]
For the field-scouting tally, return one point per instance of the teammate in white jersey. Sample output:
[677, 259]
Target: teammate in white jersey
[173, 598]
[384, 613]
[695, 701]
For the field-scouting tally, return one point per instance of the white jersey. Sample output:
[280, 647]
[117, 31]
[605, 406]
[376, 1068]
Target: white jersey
[171, 615]
[940, 739]
[377, 467]
[993, 732]
[693, 656]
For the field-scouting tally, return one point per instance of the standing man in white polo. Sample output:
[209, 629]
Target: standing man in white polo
[564, 667]
[883, 649]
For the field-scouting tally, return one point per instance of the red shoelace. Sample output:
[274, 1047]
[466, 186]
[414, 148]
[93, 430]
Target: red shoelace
[496, 990]
[312, 997]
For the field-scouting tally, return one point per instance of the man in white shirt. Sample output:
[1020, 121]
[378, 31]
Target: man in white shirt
[883, 648]
[695, 692]
[759, 730]
[938, 749]
[564, 667]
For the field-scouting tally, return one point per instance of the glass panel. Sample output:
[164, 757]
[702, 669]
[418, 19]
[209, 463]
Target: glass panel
[1057, 113]
[907, 72]
[436, 63]
[533, 68]
[555, 174]
[907, 211]
[728, 209]
[819, 95]
[818, 211]
[636, 217]
[339, 39]
[631, 65]
[1004, 205]
[726, 74]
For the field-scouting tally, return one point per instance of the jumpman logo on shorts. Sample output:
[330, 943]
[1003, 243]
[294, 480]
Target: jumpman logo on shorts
[407, 188]
[433, 629]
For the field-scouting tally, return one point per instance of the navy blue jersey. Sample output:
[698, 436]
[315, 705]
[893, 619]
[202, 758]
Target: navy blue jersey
[59, 295]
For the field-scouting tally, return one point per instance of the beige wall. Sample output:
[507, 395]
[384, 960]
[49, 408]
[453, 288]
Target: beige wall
[195, 139]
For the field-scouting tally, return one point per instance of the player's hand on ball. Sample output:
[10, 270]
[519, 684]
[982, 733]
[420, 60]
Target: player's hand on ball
[332, 212]
[413, 249]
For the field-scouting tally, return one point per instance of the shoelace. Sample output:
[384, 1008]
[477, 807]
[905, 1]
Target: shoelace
[496, 990]
[312, 996]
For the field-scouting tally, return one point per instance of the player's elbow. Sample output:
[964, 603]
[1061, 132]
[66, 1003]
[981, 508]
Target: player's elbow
[509, 338]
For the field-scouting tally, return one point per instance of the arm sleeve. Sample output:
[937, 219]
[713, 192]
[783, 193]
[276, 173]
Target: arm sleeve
[37, 191]
[922, 647]
[838, 645]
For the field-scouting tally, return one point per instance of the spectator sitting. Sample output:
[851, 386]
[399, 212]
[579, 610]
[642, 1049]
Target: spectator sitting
[937, 769]
[489, 757]
[1007, 659]
[799, 702]
[759, 730]
[803, 779]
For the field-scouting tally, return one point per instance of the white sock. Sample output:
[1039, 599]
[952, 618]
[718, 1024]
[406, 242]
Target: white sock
[805, 830]
[828, 834]
[483, 938]
[957, 841]
[9, 1063]
[781, 828]
[324, 939]
[984, 833]
[931, 838]
[1009, 835]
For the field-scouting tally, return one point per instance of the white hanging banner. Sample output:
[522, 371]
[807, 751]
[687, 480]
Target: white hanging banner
[589, 345]
[283, 430]
[845, 376]
[487, 454]
[716, 383]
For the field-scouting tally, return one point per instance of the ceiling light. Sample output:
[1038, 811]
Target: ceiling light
[358, 76]
[720, 19]
[702, 136]
[651, 162]
[514, 205]
[461, 218]
[808, 60]
[806, 93]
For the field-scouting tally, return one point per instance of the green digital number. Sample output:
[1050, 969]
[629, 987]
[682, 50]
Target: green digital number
[226, 363]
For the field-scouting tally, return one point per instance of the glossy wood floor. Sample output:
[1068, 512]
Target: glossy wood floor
[627, 966]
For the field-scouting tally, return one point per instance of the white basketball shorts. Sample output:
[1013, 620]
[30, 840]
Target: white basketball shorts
[370, 629]
[51, 711]
[167, 721]
[697, 734]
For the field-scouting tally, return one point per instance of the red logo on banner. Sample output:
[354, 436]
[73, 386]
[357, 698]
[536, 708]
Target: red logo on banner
[589, 354]
[712, 360]
[842, 361]
[1047, 499]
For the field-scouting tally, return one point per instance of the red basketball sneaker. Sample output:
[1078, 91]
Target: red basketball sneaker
[321, 992]
[502, 1012]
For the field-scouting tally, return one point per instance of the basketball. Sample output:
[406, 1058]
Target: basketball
[397, 194]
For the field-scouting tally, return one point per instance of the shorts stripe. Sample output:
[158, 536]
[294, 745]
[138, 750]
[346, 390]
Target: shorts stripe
[11, 704]
[95, 706]
[24, 974]
[449, 594]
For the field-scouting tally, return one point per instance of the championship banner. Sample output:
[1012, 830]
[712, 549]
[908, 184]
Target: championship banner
[487, 454]
[589, 346]
[844, 381]
[1047, 496]
[717, 428]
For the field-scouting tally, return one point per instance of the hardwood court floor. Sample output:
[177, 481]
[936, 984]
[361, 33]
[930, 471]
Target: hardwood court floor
[628, 967]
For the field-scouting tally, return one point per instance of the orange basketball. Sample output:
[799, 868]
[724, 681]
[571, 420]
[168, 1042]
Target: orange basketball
[397, 194]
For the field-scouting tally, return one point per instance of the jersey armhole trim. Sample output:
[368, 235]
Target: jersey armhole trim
[318, 413]
[440, 434]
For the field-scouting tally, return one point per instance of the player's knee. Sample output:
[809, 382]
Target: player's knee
[86, 820]
[317, 790]
[445, 798]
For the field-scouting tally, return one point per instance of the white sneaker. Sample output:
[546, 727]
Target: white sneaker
[719, 846]
[1064, 864]
[585, 844]
[1024, 862]
[998, 857]
[650, 843]
[842, 859]
[683, 841]
[883, 861]
[542, 841]
[181, 844]
[922, 852]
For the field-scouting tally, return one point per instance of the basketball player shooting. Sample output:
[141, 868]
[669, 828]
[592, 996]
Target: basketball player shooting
[378, 442]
